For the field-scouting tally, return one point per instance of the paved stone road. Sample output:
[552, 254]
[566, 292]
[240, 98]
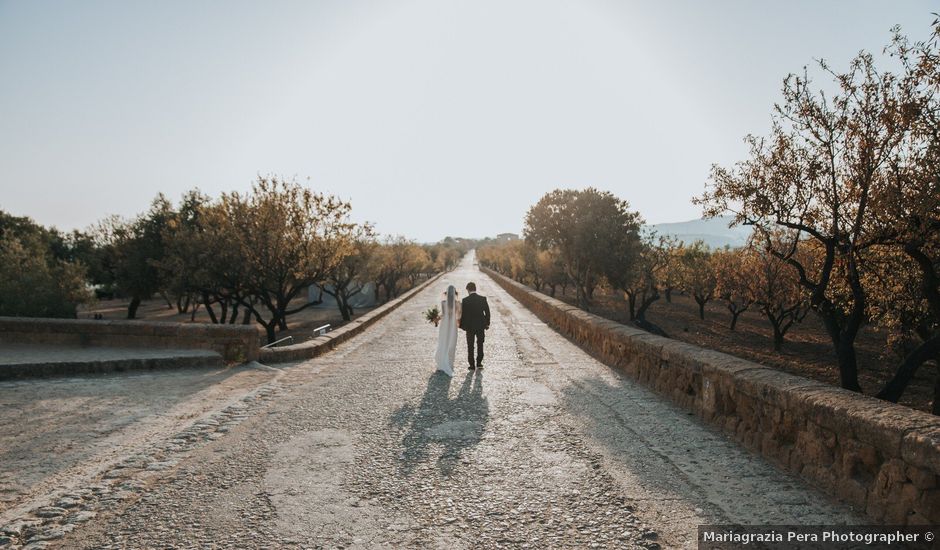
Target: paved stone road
[367, 447]
[58, 434]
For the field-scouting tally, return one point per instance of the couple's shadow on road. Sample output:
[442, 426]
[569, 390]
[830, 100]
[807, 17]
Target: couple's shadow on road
[439, 422]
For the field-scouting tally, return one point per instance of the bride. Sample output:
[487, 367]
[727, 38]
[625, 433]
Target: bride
[447, 332]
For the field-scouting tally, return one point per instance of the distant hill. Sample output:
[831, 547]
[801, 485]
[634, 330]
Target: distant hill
[713, 232]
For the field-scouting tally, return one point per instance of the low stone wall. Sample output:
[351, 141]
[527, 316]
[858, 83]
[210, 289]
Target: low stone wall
[880, 457]
[322, 344]
[235, 343]
[171, 359]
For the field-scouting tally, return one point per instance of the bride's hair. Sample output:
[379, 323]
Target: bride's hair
[451, 296]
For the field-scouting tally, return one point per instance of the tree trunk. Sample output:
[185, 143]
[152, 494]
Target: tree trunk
[895, 387]
[776, 324]
[936, 394]
[734, 317]
[650, 327]
[645, 302]
[701, 308]
[223, 315]
[209, 310]
[234, 316]
[343, 307]
[843, 343]
[778, 334]
[848, 366]
[778, 339]
[132, 307]
[583, 298]
[668, 294]
[269, 326]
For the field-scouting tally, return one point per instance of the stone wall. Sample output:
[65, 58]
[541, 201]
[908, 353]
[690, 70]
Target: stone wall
[322, 344]
[235, 343]
[880, 457]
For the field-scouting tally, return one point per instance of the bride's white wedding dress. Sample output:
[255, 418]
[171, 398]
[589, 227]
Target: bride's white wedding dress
[447, 333]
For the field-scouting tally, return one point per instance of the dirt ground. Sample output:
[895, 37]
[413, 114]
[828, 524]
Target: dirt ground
[806, 352]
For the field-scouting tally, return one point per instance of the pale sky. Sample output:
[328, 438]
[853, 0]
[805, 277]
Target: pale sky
[434, 117]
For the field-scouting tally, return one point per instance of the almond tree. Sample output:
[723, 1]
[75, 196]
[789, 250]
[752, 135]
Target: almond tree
[734, 275]
[637, 272]
[816, 175]
[908, 212]
[137, 247]
[697, 274]
[397, 260]
[533, 265]
[899, 306]
[182, 258]
[777, 292]
[671, 276]
[352, 274]
[287, 238]
[553, 272]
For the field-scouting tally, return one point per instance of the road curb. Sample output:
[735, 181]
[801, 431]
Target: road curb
[322, 344]
[21, 371]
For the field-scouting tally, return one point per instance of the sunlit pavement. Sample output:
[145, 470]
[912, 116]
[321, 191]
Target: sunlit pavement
[367, 446]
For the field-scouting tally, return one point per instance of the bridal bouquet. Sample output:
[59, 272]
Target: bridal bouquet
[433, 315]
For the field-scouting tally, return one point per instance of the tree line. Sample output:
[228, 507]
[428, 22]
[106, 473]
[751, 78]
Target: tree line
[742, 279]
[242, 258]
[843, 195]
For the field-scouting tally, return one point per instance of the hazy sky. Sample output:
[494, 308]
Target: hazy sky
[433, 117]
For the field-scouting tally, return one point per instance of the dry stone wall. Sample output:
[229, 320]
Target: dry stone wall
[236, 344]
[322, 344]
[881, 457]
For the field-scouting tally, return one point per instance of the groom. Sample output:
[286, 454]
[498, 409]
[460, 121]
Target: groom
[474, 319]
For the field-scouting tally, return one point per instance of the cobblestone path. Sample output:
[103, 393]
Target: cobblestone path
[367, 447]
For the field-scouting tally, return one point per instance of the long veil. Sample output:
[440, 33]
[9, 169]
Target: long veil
[447, 333]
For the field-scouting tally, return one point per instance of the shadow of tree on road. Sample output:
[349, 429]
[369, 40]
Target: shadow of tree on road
[439, 422]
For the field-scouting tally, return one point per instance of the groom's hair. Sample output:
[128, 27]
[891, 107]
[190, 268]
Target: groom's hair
[471, 287]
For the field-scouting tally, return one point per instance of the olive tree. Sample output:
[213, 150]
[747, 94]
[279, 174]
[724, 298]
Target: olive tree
[583, 227]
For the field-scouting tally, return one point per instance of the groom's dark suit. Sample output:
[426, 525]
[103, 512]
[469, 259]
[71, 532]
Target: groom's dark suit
[475, 319]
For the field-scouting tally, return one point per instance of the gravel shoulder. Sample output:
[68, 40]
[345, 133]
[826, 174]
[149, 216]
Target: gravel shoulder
[367, 447]
[58, 434]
